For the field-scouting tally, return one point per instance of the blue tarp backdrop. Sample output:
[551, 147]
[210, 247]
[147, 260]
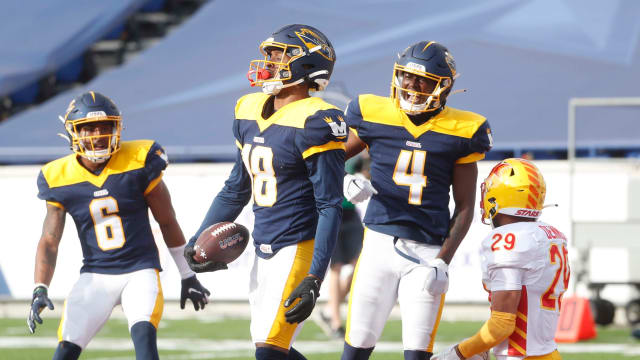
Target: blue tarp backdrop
[37, 37]
[520, 60]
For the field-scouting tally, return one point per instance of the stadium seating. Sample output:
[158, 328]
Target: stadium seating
[506, 65]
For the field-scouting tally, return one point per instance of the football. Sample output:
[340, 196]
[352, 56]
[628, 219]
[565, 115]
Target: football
[221, 242]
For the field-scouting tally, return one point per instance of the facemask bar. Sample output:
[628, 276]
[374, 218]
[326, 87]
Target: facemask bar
[259, 74]
[84, 145]
[409, 104]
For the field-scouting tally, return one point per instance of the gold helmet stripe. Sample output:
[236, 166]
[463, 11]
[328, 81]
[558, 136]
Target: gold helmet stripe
[93, 95]
[428, 44]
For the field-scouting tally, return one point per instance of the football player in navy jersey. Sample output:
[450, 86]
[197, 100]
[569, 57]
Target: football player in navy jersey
[108, 187]
[290, 159]
[419, 148]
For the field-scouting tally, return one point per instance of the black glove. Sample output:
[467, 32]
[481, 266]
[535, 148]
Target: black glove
[206, 266]
[308, 291]
[192, 289]
[38, 302]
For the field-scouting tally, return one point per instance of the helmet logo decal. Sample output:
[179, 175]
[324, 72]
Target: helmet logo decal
[312, 41]
[96, 114]
[414, 66]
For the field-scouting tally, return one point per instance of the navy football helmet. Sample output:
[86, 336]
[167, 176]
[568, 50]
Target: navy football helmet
[307, 56]
[430, 63]
[92, 107]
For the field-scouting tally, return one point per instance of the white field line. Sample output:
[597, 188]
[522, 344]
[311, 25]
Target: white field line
[219, 348]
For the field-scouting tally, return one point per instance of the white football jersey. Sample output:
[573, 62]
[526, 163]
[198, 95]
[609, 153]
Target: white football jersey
[531, 256]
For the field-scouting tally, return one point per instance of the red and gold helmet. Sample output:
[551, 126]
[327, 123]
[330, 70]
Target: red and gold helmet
[514, 187]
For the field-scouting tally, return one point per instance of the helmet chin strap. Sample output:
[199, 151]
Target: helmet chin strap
[97, 156]
[274, 87]
[412, 108]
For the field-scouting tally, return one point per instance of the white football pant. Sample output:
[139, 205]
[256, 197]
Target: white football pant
[382, 277]
[272, 281]
[94, 296]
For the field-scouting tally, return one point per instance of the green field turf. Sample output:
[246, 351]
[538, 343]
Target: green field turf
[185, 339]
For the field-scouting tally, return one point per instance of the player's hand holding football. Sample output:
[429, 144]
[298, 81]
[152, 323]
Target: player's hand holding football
[193, 290]
[206, 266]
[437, 281]
[39, 301]
[453, 354]
[308, 292]
[357, 188]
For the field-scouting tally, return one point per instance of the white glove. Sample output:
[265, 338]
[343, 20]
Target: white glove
[450, 354]
[357, 188]
[437, 281]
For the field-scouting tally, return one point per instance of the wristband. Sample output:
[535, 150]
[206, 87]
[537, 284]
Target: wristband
[178, 257]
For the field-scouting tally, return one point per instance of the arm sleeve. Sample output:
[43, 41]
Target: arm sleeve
[322, 147]
[230, 201]
[326, 172]
[353, 118]
[45, 193]
[523, 256]
[506, 278]
[499, 326]
[480, 143]
[155, 163]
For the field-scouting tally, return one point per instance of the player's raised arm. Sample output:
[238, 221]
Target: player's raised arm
[46, 257]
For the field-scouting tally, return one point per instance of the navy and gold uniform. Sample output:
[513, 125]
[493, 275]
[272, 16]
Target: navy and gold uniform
[412, 165]
[109, 207]
[408, 219]
[293, 165]
[288, 161]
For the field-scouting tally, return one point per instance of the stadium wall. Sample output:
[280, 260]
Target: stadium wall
[602, 193]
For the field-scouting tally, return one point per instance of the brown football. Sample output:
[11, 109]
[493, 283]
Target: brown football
[221, 242]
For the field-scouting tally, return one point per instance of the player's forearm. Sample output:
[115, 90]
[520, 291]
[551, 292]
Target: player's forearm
[172, 234]
[499, 326]
[354, 145]
[327, 173]
[459, 226]
[47, 252]
[230, 201]
[225, 207]
[46, 257]
[325, 240]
